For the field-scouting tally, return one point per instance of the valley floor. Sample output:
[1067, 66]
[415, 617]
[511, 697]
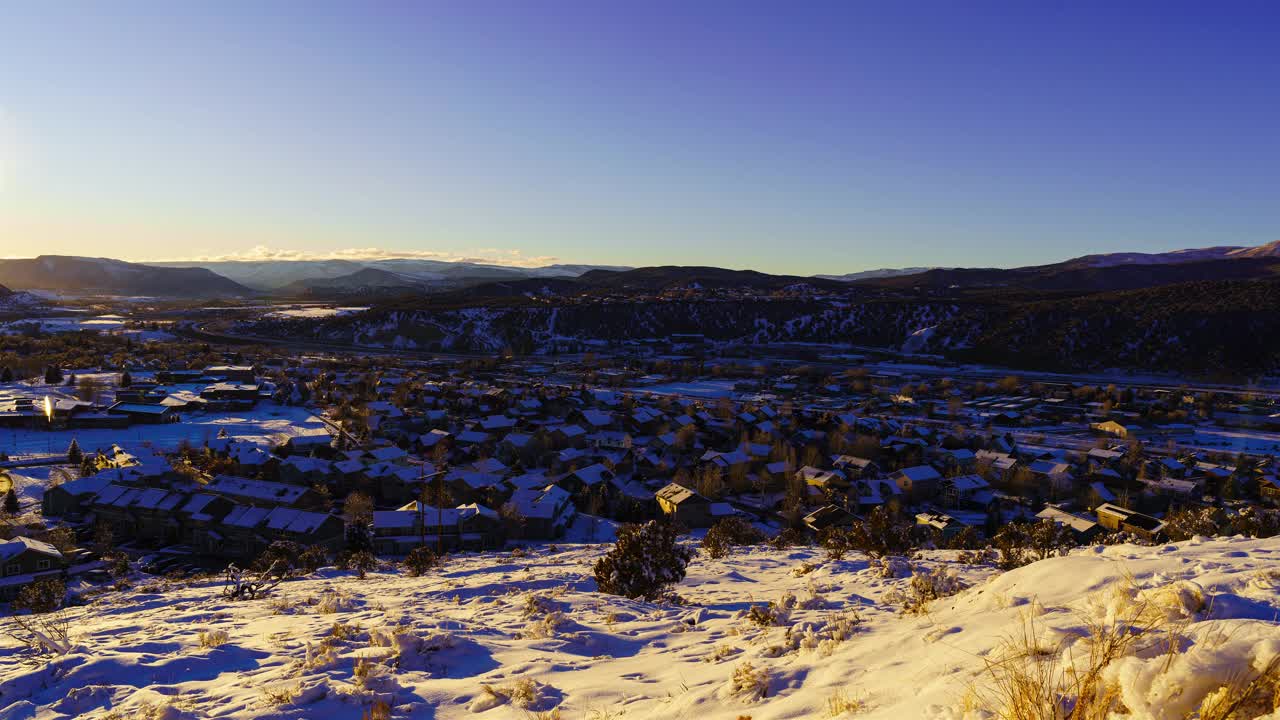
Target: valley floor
[530, 627]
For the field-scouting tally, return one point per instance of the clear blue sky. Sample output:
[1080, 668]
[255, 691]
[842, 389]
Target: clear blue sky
[789, 137]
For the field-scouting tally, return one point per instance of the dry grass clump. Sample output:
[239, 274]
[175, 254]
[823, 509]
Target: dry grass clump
[1081, 677]
[1245, 696]
[803, 569]
[345, 632]
[841, 703]
[278, 695]
[524, 693]
[379, 710]
[535, 605]
[213, 638]
[330, 602]
[748, 682]
[722, 652]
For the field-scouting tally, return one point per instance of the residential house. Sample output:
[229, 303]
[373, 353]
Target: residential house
[24, 561]
[918, 483]
[1122, 519]
[685, 506]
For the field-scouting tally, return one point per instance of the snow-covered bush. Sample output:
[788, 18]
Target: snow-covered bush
[1187, 523]
[645, 561]
[727, 534]
[891, 566]
[748, 682]
[925, 588]
[777, 612]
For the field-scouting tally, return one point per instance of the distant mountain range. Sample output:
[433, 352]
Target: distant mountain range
[1095, 273]
[873, 274]
[80, 275]
[320, 279]
[289, 276]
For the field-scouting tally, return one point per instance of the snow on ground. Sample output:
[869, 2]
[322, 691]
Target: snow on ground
[28, 483]
[265, 424]
[314, 311]
[530, 625]
[1237, 440]
[693, 388]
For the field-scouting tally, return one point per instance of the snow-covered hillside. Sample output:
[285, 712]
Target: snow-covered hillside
[507, 635]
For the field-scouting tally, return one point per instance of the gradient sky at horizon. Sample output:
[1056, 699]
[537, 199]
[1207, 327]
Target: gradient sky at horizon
[787, 137]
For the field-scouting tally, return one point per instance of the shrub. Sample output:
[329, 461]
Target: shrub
[728, 533]
[880, 534]
[925, 588]
[38, 622]
[644, 562]
[361, 563]
[312, 558]
[837, 542]
[788, 537]
[62, 538]
[1187, 523]
[1020, 544]
[42, 596]
[419, 561]
[280, 558]
[116, 563]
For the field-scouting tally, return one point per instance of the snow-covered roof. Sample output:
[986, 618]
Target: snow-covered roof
[15, 547]
[256, 489]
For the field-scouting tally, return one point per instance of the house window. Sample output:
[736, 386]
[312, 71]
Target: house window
[42, 564]
[12, 569]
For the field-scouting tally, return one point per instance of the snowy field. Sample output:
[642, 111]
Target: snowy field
[28, 483]
[106, 324]
[267, 423]
[693, 388]
[1247, 441]
[498, 635]
[314, 311]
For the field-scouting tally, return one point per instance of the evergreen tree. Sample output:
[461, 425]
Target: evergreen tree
[11, 503]
[52, 375]
[74, 456]
[126, 379]
[6, 375]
